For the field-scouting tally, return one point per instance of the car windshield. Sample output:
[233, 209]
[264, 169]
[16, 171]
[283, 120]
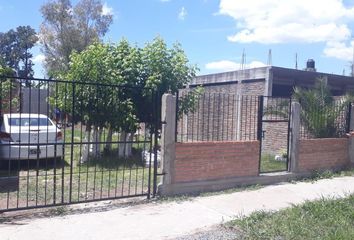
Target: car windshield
[29, 122]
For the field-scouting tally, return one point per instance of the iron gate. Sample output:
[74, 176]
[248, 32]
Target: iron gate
[65, 142]
[274, 133]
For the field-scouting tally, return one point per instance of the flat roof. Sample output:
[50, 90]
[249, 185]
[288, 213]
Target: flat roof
[281, 75]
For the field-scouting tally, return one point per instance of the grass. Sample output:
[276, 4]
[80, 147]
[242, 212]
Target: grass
[45, 182]
[322, 219]
[269, 164]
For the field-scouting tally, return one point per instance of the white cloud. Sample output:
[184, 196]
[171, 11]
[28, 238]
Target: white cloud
[39, 59]
[182, 14]
[226, 65]
[106, 10]
[339, 50]
[277, 21]
[291, 21]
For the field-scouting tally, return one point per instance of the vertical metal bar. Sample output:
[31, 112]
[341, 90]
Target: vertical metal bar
[94, 141]
[55, 160]
[64, 142]
[156, 142]
[152, 115]
[218, 116]
[288, 139]
[255, 118]
[259, 132]
[28, 156]
[19, 149]
[72, 142]
[143, 157]
[198, 119]
[222, 105]
[80, 150]
[247, 116]
[46, 159]
[232, 117]
[38, 147]
[193, 119]
[176, 123]
[349, 114]
[9, 160]
[208, 116]
[228, 118]
[203, 117]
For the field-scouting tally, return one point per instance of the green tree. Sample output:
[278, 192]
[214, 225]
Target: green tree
[92, 101]
[8, 90]
[66, 28]
[14, 50]
[134, 75]
[320, 112]
[100, 106]
[164, 70]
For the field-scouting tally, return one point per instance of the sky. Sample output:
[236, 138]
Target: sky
[215, 33]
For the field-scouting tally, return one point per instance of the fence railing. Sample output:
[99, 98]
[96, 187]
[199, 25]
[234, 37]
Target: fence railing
[218, 117]
[66, 142]
[325, 120]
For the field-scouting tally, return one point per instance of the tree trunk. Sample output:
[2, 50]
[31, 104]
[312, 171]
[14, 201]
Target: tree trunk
[100, 132]
[125, 148]
[86, 146]
[129, 145]
[121, 146]
[95, 145]
[108, 146]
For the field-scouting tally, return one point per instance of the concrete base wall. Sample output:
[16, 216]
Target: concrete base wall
[218, 185]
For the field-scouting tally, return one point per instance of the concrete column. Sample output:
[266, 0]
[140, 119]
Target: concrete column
[295, 136]
[168, 143]
[351, 138]
[351, 123]
[268, 84]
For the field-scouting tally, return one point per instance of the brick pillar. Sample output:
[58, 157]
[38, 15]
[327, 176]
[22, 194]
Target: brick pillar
[168, 145]
[295, 136]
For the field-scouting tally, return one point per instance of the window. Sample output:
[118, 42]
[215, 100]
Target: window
[29, 122]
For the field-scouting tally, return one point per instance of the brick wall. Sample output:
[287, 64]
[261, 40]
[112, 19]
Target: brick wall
[275, 139]
[215, 160]
[321, 154]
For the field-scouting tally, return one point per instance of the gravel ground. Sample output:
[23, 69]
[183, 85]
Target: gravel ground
[214, 233]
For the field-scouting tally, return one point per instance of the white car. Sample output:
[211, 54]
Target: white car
[29, 136]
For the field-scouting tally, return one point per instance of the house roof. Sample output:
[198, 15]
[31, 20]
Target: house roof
[280, 75]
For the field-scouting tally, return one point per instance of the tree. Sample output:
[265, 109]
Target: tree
[9, 99]
[164, 70]
[100, 106]
[134, 75]
[320, 112]
[66, 28]
[14, 50]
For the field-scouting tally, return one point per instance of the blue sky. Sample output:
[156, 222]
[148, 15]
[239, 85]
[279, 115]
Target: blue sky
[215, 32]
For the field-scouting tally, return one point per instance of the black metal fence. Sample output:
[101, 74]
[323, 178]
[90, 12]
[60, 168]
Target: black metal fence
[217, 117]
[325, 120]
[90, 142]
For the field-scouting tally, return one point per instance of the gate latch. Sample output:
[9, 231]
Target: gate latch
[161, 174]
[263, 134]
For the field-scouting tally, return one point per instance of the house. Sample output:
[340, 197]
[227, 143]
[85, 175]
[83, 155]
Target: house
[229, 109]
[271, 81]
